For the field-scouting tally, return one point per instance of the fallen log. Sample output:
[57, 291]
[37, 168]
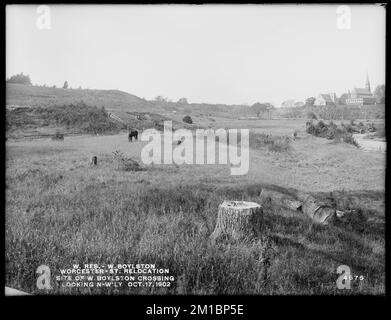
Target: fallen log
[238, 220]
[282, 199]
[319, 212]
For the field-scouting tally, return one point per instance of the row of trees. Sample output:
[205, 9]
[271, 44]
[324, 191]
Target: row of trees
[21, 78]
[257, 108]
[163, 99]
[261, 108]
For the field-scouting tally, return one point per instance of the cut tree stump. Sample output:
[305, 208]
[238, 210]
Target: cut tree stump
[238, 220]
[94, 160]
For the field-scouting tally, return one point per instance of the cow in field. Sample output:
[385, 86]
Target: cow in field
[132, 133]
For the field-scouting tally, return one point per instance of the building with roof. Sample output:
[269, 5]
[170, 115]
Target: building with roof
[361, 96]
[326, 99]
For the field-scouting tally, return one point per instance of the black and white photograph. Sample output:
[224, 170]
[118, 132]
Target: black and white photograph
[195, 150]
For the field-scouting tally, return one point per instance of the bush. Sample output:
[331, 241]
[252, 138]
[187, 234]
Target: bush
[344, 133]
[272, 143]
[310, 127]
[74, 117]
[319, 130]
[125, 163]
[187, 119]
[58, 136]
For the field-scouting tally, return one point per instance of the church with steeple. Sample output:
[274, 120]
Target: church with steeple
[361, 96]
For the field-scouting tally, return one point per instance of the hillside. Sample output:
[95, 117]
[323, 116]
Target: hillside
[115, 101]
[64, 119]
[112, 100]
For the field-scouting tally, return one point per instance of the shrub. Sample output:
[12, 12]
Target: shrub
[319, 129]
[272, 143]
[58, 136]
[187, 119]
[83, 118]
[344, 133]
[310, 127]
[125, 163]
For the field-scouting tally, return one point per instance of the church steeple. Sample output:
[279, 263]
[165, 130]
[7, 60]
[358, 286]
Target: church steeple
[367, 84]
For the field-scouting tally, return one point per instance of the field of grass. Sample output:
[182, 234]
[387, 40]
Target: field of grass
[61, 211]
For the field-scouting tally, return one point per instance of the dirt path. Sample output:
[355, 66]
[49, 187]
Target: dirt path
[369, 145]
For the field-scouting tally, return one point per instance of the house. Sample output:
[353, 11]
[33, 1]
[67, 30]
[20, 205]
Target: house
[325, 99]
[361, 96]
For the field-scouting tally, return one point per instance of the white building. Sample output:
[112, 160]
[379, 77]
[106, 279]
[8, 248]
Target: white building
[326, 99]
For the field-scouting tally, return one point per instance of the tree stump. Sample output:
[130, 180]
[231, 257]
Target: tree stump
[238, 220]
[94, 160]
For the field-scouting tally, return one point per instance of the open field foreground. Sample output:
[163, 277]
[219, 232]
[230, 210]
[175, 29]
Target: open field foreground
[62, 211]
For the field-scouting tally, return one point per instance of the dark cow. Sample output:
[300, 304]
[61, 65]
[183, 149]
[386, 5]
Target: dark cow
[132, 133]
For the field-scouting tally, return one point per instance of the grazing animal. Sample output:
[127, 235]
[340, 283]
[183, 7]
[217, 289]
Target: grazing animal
[131, 134]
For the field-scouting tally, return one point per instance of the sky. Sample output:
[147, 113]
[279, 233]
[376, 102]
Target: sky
[233, 54]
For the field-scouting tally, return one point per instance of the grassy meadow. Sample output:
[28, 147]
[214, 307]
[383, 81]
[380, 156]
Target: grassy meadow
[62, 211]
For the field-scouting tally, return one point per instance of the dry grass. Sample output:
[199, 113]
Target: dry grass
[61, 211]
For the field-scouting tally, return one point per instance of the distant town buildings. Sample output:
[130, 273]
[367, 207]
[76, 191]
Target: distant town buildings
[358, 97]
[361, 96]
